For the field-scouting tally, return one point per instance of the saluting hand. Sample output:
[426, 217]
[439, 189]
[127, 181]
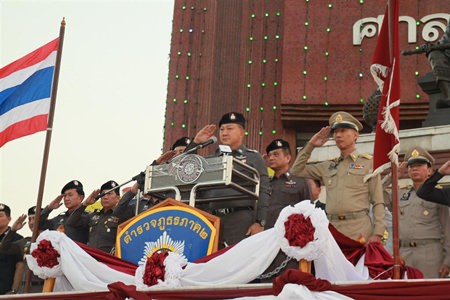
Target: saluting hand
[444, 271]
[320, 137]
[254, 229]
[165, 157]
[445, 168]
[205, 133]
[19, 223]
[91, 198]
[55, 204]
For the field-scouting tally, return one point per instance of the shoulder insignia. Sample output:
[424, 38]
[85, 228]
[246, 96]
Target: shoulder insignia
[366, 155]
[406, 186]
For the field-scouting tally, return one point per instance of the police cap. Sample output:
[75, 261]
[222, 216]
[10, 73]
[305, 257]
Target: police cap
[184, 141]
[232, 117]
[342, 119]
[110, 185]
[419, 155]
[5, 208]
[74, 184]
[32, 211]
[278, 144]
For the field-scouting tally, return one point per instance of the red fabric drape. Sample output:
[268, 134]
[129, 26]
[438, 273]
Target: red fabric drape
[353, 250]
[296, 276]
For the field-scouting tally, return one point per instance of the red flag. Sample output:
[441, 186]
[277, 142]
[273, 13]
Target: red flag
[385, 69]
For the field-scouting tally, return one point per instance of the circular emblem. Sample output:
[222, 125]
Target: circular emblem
[189, 169]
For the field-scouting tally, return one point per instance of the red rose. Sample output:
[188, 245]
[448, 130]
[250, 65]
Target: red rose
[154, 268]
[45, 254]
[299, 230]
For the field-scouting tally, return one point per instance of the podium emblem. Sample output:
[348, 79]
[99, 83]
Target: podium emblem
[189, 169]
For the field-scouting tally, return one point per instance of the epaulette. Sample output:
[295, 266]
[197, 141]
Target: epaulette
[366, 155]
[406, 186]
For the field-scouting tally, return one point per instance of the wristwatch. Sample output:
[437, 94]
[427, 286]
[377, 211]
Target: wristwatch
[261, 222]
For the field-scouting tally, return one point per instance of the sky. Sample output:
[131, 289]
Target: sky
[111, 97]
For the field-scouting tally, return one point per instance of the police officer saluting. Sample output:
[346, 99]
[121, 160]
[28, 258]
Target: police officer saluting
[287, 189]
[102, 222]
[348, 196]
[239, 218]
[424, 226]
[73, 194]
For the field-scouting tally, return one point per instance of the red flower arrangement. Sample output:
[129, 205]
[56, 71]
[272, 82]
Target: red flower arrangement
[299, 230]
[154, 268]
[45, 254]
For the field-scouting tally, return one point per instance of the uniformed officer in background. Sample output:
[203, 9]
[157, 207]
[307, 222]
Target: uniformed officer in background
[287, 189]
[126, 208]
[73, 194]
[11, 255]
[423, 224]
[239, 218]
[102, 222]
[348, 195]
[180, 145]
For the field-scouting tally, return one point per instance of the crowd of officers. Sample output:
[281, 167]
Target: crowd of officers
[355, 201]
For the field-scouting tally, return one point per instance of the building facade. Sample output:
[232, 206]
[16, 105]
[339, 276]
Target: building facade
[288, 65]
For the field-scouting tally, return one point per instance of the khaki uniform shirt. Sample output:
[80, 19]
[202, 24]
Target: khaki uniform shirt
[421, 220]
[347, 192]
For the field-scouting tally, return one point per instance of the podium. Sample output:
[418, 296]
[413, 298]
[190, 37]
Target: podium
[192, 178]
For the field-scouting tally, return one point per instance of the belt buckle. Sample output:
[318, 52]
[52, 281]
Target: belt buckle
[341, 217]
[412, 244]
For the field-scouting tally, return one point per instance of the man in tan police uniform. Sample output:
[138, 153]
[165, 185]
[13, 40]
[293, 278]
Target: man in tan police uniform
[348, 195]
[422, 223]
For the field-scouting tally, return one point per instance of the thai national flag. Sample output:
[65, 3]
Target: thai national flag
[25, 90]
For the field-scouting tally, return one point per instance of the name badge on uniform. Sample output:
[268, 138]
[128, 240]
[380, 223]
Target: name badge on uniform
[290, 184]
[405, 196]
[356, 166]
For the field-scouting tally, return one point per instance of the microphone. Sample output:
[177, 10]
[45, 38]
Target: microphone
[210, 141]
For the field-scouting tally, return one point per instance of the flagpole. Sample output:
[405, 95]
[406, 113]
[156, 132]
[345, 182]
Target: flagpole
[394, 169]
[48, 139]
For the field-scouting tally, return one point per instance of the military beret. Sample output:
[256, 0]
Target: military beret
[5, 208]
[110, 185]
[232, 118]
[419, 155]
[32, 211]
[184, 141]
[278, 144]
[74, 184]
[342, 119]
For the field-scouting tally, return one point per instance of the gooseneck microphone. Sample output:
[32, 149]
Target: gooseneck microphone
[210, 141]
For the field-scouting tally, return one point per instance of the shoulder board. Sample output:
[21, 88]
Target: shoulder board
[366, 155]
[406, 186]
